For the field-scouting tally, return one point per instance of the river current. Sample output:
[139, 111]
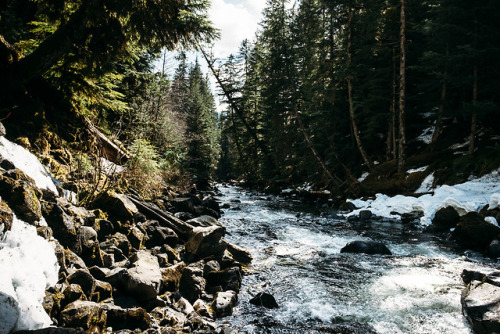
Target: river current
[296, 251]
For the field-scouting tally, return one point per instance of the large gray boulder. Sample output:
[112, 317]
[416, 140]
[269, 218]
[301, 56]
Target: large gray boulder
[481, 301]
[143, 278]
[192, 283]
[206, 241]
[118, 206]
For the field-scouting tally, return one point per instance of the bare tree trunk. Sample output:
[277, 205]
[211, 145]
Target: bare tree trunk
[402, 89]
[473, 127]
[391, 135]
[442, 100]
[349, 91]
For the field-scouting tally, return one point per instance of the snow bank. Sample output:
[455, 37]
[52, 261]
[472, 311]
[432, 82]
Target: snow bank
[465, 197]
[28, 163]
[28, 266]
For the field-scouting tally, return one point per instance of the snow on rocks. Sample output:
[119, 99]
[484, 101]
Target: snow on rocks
[28, 163]
[28, 266]
[465, 197]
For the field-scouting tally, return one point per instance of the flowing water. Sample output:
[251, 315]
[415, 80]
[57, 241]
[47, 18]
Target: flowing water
[297, 258]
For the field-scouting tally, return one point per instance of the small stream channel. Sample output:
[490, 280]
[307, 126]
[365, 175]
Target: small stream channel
[297, 258]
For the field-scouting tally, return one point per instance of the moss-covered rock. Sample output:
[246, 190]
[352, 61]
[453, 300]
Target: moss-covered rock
[6, 217]
[83, 314]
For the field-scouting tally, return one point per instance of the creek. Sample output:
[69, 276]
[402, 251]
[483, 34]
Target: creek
[296, 251]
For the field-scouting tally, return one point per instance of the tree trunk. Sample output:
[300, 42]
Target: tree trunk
[391, 135]
[349, 91]
[402, 89]
[473, 127]
[442, 100]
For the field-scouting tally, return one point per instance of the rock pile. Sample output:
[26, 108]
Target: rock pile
[128, 264]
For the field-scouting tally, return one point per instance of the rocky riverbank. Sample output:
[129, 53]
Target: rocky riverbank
[125, 263]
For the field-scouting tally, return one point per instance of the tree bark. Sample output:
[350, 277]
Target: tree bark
[391, 135]
[402, 89]
[442, 101]
[473, 127]
[349, 92]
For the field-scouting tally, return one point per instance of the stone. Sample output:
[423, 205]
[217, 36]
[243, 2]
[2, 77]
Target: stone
[481, 306]
[239, 254]
[143, 279]
[106, 228]
[224, 302]
[6, 217]
[136, 238]
[45, 232]
[184, 216]
[365, 215]
[192, 283]
[62, 226]
[83, 314]
[52, 303]
[211, 203]
[102, 291]
[200, 210]
[203, 309]
[473, 232]
[129, 318]
[3, 132]
[25, 202]
[71, 293]
[117, 241]
[445, 218]
[203, 221]
[118, 206]
[85, 280]
[206, 241]
[9, 313]
[366, 247]
[264, 299]
[158, 235]
[228, 279]
[183, 204]
[494, 249]
[171, 277]
[183, 305]
[210, 266]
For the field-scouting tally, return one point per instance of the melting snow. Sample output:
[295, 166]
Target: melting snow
[28, 163]
[465, 197]
[28, 266]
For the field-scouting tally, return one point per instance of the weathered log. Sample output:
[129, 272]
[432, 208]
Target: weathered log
[110, 150]
[166, 219]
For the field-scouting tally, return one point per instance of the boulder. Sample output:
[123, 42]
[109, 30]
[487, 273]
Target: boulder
[184, 216]
[102, 292]
[264, 299]
[52, 330]
[118, 206]
[206, 241]
[9, 313]
[136, 238]
[481, 303]
[62, 226]
[366, 247]
[183, 305]
[224, 302]
[228, 279]
[183, 204]
[210, 266]
[83, 314]
[158, 235]
[143, 279]
[171, 277]
[203, 309]
[192, 283]
[473, 232]
[203, 221]
[6, 217]
[494, 249]
[239, 254]
[365, 215]
[200, 210]
[445, 218]
[129, 318]
[85, 280]
[72, 293]
[25, 202]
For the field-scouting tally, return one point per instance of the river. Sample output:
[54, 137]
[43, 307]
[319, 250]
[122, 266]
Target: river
[296, 251]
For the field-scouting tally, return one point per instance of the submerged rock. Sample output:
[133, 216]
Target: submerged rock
[366, 247]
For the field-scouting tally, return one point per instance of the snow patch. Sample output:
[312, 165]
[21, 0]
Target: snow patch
[426, 135]
[426, 185]
[28, 163]
[494, 201]
[421, 169]
[363, 176]
[28, 266]
[465, 197]
[491, 220]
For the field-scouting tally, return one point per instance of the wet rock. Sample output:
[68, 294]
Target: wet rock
[264, 299]
[239, 253]
[366, 247]
[473, 232]
[365, 215]
[411, 217]
[171, 277]
[228, 279]
[9, 312]
[83, 314]
[117, 205]
[481, 303]
[494, 249]
[445, 218]
[130, 318]
[6, 217]
[167, 316]
[224, 302]
[143, 279]
[206, 241]
[192, 283]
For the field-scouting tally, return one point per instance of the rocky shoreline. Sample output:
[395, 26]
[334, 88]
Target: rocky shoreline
[128, 264]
